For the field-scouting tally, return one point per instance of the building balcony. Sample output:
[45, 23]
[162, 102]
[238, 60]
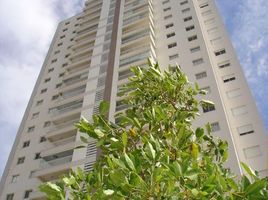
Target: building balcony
[69, 79]
[84, 54]
[60, 146]
[76, 84]
[67, 107]
[51, 173]
[134, 59]
[135, 7]
[83, 39]
[60, 133]
[87, 29]
[135, 17]
[79, 66]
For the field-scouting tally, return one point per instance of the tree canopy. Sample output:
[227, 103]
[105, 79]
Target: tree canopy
[153, 152]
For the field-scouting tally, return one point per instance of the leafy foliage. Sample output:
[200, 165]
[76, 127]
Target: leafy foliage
[153, 152]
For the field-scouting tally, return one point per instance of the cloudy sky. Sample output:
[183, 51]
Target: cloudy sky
[27, 27]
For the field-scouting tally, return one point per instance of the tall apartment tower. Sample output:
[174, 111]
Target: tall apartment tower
[89, 59]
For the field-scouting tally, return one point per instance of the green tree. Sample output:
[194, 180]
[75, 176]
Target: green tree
[153, 152]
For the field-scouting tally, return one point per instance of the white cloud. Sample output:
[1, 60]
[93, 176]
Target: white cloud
[250, 36]
[27, 28]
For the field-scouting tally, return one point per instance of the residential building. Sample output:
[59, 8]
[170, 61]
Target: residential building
[89, 59]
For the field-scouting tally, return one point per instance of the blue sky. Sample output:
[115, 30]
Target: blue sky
[27, 28]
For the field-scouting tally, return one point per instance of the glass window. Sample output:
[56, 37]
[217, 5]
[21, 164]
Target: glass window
[15, 178]
[20, 160]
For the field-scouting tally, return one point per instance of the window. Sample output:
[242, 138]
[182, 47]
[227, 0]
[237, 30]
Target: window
[215, 126]
[64, 65]
[166, 9]
[183, 3]
[63, 36]
[228, 78]
[219, 52]
[224, 64]
[188, 18]
[207, 89]
[64, 29]
[164, 2]
[195, 49]
[61, 74]
[37, 156]
[198, 61]
[20, 160]
[169, 25]
[60, 44]
[185, 10]
[71, 39]
[172, 45]
[57, 52]
[31, 129]
[203, 5]
[167, 17]
[67, 55]
[208, 108]
[47, 124]
[10, 196]
[35, 115]
[15, 178]
[191, 38]
[26, 144]
[252, 152]
[58, 85]
[40, 102]
[172, 57]
[188, 28]
[43, 91]
[233, 93]
[47, 80]
[245, 130]
[31, 174]
[241, 110]
[27, 194]
[201, 75]
[43, 139]
[55, 97]
[170, 35]
[66, 23]
[50, 70]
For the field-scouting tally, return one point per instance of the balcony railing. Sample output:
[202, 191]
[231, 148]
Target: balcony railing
[46, 164]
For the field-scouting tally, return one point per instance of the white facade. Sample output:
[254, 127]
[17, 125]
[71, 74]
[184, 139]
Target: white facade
[89, 59]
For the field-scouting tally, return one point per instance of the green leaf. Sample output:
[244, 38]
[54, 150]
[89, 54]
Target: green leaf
[99, 132]
[195, 150]
[249, 170]
[104, 107]
[199, 132]
[129, 162]
[117, 177]
[207, 102]
[150, 151]
[124, 139]
[195, 192]
[108, 192]
[255, 187]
